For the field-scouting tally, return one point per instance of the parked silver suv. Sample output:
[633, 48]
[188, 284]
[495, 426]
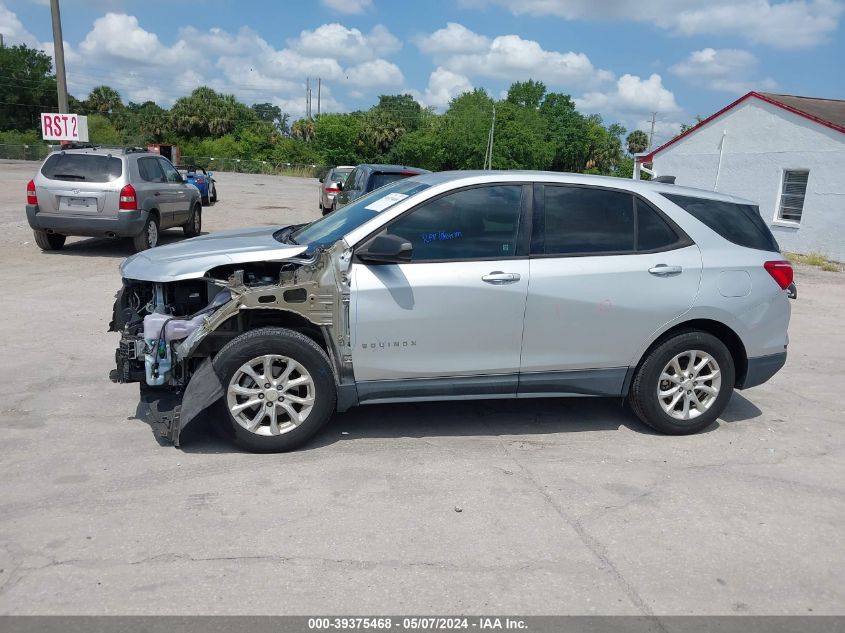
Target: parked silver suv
[102, 192]
[462, 285]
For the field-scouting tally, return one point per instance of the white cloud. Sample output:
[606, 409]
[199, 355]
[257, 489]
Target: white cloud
[348, 6]
[508, 57]
[443, 86]
[375, 73]
[336, 41]
[726, 70]
[13, 30]
[788, 24]
[454, 38]
[632, 95]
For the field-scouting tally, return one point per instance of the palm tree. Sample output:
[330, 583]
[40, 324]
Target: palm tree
[104, 100]
[303, 129]
[637, 142]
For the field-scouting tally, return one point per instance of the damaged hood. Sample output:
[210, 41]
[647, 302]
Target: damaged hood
[192, 258]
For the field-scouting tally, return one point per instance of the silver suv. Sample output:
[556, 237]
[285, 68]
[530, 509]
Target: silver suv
[461, 285]
[100, 192]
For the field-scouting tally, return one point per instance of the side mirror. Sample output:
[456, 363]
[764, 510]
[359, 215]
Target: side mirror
[321, 180]
[386, 249]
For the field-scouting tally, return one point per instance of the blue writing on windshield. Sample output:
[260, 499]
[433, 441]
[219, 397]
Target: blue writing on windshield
[441, 236]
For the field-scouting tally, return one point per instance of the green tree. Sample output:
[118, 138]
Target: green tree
[402, 111]
[28, 87]
[207, 113]
[637, 142]
[465, 130]
[103, 100]
[303, 129]
[336, 138]
[421, 148]
[528, 94]
[102, 131]
[566, 133]
[520, 140]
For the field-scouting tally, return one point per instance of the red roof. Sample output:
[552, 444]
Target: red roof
[827, 112]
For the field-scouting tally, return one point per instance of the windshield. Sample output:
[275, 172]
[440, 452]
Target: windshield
[330, 228]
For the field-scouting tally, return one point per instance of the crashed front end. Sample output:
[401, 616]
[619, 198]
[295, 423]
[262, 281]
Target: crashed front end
[171, 330]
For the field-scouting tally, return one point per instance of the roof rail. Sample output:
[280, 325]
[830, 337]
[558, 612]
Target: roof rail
[669, 180]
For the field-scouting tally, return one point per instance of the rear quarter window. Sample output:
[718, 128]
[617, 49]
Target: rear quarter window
[82, 167]
[737, 223]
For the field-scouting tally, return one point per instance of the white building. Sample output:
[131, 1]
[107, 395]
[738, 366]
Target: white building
[786, 153]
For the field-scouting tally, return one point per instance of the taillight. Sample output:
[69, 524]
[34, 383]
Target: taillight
[331, 189]
[127, 199]
[200, 180]
[781, 272]
[31, 197]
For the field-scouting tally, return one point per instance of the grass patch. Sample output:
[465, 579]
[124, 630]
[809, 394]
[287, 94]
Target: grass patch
[814, 259]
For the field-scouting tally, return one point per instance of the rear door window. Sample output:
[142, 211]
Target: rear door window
[582, 220]
[82, 167]
[737, 223]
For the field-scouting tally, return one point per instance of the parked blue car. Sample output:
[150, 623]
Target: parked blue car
[202, 180]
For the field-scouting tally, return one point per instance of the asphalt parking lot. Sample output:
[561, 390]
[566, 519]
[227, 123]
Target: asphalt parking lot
[531, 507]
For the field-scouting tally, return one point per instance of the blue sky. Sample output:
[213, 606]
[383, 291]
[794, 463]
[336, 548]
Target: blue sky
[618, 58]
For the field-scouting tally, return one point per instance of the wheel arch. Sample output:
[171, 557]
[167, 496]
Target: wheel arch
[723, 332]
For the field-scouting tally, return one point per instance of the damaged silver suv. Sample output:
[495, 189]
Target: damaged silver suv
[458, 286]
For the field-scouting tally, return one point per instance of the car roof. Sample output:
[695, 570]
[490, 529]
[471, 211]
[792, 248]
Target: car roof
[628, 184]
[104, 151]
[388, 168]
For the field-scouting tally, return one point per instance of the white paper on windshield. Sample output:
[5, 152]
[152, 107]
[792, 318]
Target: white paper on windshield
[388, 201]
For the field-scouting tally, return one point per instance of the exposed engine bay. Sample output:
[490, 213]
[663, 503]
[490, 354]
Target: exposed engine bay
[171, 331]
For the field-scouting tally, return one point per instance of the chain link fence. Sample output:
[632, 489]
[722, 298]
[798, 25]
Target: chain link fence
[211, 163]
[24, 152]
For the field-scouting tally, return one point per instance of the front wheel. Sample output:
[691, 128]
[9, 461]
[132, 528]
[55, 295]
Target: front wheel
[683, 384]
[279, 390]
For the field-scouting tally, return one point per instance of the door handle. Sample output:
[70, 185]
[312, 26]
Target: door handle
[498, 278]
[662, 270]
[158, 193]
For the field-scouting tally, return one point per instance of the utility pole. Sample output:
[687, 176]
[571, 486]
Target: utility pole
[651, 134]
[308, 98]
[59, 55]
[1, 41]
[319, 85]
[488, 155]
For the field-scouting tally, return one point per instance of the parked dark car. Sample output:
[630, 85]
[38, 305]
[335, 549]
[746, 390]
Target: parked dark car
[368, 177]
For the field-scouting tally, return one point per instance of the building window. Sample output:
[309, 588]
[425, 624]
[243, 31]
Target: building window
[792, 195]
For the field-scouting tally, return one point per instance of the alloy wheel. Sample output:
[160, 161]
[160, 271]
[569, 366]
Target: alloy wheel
[689, 385]
[270, 395]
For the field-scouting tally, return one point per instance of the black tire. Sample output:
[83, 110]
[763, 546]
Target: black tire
[643, 395]
[147, 239]
[194, 226]
[213, 194]
[282, 342]
[49, 241]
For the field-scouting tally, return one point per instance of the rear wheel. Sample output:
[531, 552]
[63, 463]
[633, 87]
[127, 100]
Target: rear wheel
[280, 390]
[194, 225]
[148, 237]
[212, 195]
[49, 241]
[683, 384]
